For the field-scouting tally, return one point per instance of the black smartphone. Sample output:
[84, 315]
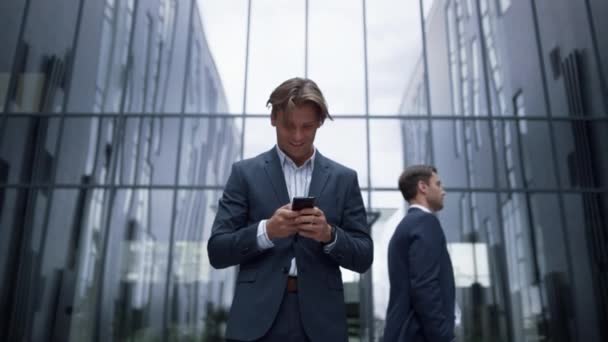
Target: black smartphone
[299, 203]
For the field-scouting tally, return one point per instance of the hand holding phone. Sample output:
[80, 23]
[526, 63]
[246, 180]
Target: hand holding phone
[313, 223]
[299, 203]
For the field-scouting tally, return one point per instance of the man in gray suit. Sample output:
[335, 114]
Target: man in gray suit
[289, 285]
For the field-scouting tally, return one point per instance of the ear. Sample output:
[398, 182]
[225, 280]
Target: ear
[422, 187]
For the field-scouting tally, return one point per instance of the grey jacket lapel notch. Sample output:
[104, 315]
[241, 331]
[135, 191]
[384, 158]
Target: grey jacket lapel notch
[275, 174]
[320, 174]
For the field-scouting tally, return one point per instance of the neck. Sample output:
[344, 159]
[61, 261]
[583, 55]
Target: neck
[421, 202]
[299, 161]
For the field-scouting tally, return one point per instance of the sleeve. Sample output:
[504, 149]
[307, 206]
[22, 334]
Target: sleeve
[232, 241]
[353, 248]
[264, 241]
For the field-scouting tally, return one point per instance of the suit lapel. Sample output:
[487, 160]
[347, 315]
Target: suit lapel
[274, 171]
[320, 174]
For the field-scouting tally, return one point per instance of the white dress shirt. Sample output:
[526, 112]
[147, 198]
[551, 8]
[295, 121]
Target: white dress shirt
[297, 180]
[421, 207]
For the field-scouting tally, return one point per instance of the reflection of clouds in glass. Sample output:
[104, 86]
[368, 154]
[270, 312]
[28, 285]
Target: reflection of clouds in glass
[336, 55]
[394, 44]
[276, 49]
[343, 140]
[225, 24]
[260, 136]
[386, 155]
[390, 206]
[470, 262]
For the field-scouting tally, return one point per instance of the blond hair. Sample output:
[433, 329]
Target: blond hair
[296, 92]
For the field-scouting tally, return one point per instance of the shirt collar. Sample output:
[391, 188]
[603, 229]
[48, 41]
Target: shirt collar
[284, 158]
[423, 208]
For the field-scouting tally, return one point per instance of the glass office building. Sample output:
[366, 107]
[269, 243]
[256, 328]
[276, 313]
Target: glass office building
[515, 94]
[116, 139]
[98, 135]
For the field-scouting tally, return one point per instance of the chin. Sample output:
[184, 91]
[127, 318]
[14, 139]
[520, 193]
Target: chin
[437, 207]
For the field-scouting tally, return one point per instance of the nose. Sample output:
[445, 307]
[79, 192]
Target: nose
[298, 134]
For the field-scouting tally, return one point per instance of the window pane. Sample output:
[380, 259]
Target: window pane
[260, 136]
[398, 23]
[343, 141]
[387, 157]
[584, 232]
[536, 158]
[336, 54]
[579, 157]
[209, 147]
[276, 49]
[451, 165]
[225, 25]
[15, 143]
[391, 207]
[9, 203]
[74, 161]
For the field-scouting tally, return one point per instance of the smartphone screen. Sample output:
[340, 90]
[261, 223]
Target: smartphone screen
[299, 203]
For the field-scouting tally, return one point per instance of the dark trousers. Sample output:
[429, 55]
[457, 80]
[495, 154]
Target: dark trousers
[287, 326]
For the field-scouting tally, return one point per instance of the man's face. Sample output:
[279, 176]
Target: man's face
[296, 132]
[434, 193]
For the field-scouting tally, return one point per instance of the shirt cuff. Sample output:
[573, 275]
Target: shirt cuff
[327, 248]
[263, 240]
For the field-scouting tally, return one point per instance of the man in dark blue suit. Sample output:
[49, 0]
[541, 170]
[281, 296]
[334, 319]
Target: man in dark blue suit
[421, 302]
[289, 285]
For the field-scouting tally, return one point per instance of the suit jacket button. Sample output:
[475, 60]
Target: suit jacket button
[244, 250]
[285, 270]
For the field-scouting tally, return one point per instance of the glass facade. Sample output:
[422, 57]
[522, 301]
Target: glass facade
[107, 176]
[116, 139]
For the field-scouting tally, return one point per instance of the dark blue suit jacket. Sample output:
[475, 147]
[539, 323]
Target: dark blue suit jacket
[255, 190]
[421, 303]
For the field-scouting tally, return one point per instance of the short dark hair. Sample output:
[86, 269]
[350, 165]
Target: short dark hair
[296, 92]
[408, 181]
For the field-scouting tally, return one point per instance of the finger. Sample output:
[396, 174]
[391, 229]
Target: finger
[308, 227]
[308, 235]
[307, 211]
[321, 220]
[315, 220]
[292, 230]
[310, 211]
[302, 219]
[287, 213]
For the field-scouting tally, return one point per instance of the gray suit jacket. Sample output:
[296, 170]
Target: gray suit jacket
[255, 190]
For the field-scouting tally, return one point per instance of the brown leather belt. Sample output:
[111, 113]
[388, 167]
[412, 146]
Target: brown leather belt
[292, 284]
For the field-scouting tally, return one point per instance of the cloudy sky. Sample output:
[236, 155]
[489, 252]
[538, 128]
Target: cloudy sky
[336, 63]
